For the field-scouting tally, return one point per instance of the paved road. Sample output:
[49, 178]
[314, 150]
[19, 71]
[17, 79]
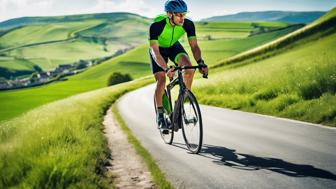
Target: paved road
[241, 150]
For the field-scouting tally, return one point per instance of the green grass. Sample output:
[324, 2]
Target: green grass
[135, 29]
[158, 176]
[42, 33]
[61, 144]
[64, 40]
[223, 29]
[15, 64]
[321, 26]
[217, 50]
[16, 102]
[229, 30]
[50, 55]
[299, 83]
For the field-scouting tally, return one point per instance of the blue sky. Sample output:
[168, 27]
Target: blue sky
[198, 8]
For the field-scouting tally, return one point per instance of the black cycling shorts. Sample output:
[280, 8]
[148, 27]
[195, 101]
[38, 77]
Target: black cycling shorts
[173, 53]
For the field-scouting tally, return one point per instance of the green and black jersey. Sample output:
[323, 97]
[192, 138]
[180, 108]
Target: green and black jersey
[167, 35]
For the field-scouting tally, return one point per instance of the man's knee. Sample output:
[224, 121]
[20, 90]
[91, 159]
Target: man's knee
[160, 79]
[184, 61]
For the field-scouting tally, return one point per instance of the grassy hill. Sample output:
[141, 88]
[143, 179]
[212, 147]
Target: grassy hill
[281, 16]
[135, 62]
[17, 22]
[49, 41]
[292, 77]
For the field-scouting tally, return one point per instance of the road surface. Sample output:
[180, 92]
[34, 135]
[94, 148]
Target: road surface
[241, 150]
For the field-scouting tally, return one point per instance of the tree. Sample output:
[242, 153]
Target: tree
[117, 78]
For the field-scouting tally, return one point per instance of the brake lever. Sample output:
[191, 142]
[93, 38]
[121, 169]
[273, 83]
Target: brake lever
[205, 75]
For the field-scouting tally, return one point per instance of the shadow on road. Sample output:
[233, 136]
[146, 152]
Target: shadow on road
[229, 157]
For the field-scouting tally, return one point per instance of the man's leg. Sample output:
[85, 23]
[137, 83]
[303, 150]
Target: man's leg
[159, 91]
[189, 73]
[160, 78]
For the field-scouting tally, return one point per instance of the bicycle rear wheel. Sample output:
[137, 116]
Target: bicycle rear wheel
[167, 138]
[192, 127]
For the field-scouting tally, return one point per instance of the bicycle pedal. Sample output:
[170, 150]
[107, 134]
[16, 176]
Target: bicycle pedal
[165, 131]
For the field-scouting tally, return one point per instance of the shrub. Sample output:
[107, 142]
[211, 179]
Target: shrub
[324, 81]
[117, 78]
[265, 94]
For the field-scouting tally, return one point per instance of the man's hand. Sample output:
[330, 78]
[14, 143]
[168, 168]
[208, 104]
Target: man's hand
[204, 69]
[170, 73]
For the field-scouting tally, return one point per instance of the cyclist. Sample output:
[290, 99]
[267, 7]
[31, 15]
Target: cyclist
[164, 34]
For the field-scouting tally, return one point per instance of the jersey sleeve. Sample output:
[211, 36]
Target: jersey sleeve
[154, 32]
[189, 27]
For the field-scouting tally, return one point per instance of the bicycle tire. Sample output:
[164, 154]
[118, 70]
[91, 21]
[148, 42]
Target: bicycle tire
[193, 145]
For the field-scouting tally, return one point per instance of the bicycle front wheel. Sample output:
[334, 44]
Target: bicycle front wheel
[192, 127]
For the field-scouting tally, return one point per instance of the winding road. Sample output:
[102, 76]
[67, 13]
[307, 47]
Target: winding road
[241, 150]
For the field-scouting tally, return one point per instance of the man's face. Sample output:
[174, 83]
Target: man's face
[178, 18]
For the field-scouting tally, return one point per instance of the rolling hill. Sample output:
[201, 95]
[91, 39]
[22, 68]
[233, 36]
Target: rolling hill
[47, 42]
[293, 76]
[136, 63]
[17, 22]
[43, 43]
[280, 16]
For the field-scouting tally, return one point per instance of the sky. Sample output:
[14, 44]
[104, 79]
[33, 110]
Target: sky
[198, 9]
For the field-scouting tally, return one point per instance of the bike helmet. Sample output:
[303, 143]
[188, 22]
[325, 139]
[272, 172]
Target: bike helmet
[176, 6]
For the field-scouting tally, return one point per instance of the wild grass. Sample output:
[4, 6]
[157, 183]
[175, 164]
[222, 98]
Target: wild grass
[61, 144]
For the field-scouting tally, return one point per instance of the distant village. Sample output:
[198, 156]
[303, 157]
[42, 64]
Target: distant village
[62, 70]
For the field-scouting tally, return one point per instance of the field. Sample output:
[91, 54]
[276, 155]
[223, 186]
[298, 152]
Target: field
[229, 30]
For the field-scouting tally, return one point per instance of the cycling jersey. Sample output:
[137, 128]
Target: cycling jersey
[167, 35]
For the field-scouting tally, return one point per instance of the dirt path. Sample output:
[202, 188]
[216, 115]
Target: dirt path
[127, 167]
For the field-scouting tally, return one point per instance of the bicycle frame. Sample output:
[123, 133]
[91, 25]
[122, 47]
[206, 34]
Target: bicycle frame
[179, 81]
[176, 81]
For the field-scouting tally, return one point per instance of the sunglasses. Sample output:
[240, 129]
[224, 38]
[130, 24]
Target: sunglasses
[180, 14]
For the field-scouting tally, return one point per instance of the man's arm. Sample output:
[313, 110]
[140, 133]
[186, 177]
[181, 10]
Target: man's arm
[195, 49]
[157, 56]
[197, 55]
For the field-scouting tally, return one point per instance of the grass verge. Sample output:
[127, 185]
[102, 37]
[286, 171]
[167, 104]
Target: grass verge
[158, 176]
[60, 144]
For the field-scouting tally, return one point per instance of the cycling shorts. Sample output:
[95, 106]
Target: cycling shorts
[173, 53]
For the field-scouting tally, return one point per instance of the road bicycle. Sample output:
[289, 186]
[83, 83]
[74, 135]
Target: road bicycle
[185, 114]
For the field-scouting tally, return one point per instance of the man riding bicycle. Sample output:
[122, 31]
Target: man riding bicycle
[164, 34]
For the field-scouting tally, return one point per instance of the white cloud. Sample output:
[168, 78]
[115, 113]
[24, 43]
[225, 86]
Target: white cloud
[150, 8]
[135, 6]
[19, 8]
